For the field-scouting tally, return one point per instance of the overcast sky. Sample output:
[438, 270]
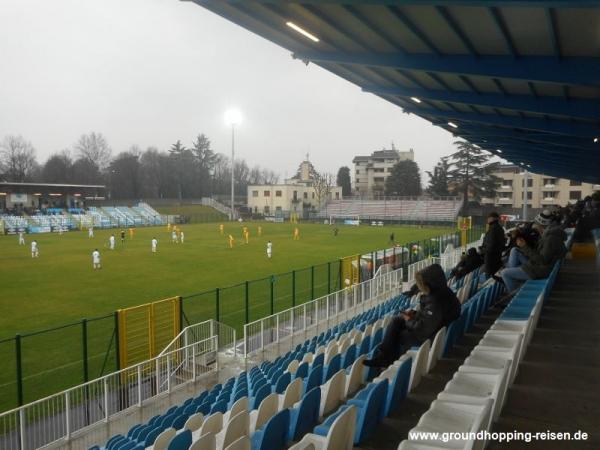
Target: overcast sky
[149, 72]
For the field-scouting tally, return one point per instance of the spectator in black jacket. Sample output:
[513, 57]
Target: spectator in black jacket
[439, 306]
[493, 245]
[468, 263]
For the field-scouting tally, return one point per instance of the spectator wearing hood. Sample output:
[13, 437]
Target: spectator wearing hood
[468, 263]
[493, 245]
[438, 307]
[537, 262]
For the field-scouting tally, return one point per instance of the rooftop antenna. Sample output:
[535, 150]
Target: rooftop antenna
[393, 148]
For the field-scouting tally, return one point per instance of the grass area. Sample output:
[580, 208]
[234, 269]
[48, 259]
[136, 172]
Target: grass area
[60, 286]
[195, 213]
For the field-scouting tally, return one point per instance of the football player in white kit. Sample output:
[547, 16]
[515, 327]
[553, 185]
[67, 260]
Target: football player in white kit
[269, 249]
[90, 232]
[111, 241]
[35, 253]
[21, 238]
[96, 259]
[154, 244]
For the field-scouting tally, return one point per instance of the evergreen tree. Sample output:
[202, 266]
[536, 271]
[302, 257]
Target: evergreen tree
[405, 179]
[470, 173]
[343, 180]
[438, 179]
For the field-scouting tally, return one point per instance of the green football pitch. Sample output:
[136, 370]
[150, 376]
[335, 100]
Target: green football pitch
[60, 286]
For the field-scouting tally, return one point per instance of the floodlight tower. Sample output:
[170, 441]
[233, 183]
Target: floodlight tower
[232, 117]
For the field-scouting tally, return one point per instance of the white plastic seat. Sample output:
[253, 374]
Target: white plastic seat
[293, 366]
[343, 345]
[476, 388]
[339, 437]
[267, 409]
[524, 327]
[206, 442]
[240, 405]
[368, 331]
[237, 427]
[162, 440]
[308, 357]
[419, 366]
[332, 393]
[194, 422]
[242, 443]
[437, 348]
[320, 349]
[490, 362]
[330, 354]
[333, 344]
[354, 380]
[292, 394]
[503, 340]
[212, 424]
[450, 417]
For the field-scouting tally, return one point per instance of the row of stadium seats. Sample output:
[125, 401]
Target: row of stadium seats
[327, 370]
[472, 400]
[435, 210]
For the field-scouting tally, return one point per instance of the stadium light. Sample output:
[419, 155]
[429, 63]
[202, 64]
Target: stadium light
[452, 124]
[596, 139]
[498, 150]
[415, 99]
[233, 117]
[302, 31]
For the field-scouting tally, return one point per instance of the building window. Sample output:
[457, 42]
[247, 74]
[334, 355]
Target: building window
[574, 183]
[267, 210]
[549, 194]
[254, 193]
[378, 170]
[278, 208]
[313, 195]
[529, 195]
[277, 193]
[507, 184]
[358, 180]
[295, 195]
[575, 195]
[357, 171]
[529, 182]
[337, 195]
[305, 195]
[549, 181]
[378, 179]
[267, 193]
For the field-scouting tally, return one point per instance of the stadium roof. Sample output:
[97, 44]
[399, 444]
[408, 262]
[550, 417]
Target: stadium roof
[520, 78]
[51, 185]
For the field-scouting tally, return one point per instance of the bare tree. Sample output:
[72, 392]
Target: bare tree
[17, 158]
[269, 176]
[322, 183]
[94, 148]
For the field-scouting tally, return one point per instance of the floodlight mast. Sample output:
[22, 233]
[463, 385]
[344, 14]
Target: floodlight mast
[232, 117]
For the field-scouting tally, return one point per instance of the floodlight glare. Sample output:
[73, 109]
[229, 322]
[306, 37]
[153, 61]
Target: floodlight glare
[498, 150]
[452, 124]
[415, 99]
[233, 116]
[302, 31]
[596, 139]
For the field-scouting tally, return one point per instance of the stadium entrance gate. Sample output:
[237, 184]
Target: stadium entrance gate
[145, 330]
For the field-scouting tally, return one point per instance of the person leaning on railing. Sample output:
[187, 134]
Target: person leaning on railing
[438, 307]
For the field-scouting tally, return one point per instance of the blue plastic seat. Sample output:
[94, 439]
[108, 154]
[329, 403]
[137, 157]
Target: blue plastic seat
[398, 390]
[282, 382]
[260, 395]
[181, 441]
[332, 368]
[273, 436]
[220, 406]
[365, 346]
[314, 379]
[127, 445]
[111, 442]
[318, 360]
[152, 435]
[349, 356]
[302, 371]
[306, 415]
[377, 338]
[179, 422]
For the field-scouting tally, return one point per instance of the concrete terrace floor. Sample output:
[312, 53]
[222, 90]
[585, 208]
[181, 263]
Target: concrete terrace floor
[557, 387]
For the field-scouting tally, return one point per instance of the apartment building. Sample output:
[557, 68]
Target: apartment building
[542, 190]
[371, 172]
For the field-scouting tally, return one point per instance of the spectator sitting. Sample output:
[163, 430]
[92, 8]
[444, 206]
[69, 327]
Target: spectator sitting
[438, 307]
[526, 263]
[468, 263]
[493, 245]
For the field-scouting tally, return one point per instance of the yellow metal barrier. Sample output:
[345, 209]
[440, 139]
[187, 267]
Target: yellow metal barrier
[145, 330]
[350, 266]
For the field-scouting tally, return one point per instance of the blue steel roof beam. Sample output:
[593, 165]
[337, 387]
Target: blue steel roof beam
[414, 29]
[500, 86]
[484, 3]
[501, 24]
[578, 70]
[527, 123]
[501, 143]
[584, 109]
[554, 32]
[457, 30]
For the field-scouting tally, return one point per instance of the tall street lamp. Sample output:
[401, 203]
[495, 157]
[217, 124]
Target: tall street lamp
[232, 117]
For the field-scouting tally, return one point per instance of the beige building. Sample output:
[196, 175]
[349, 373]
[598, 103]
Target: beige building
[542, 190]
[296, 195]
[371, 172]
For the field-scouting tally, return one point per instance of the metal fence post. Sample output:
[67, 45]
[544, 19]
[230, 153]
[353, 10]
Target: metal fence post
[247, 300]
[373, 262]
[272, 295]
[117, 342]
[312, 282]
[19, 370]
[217, 304]
[84, 344]
[329, 277]
[293, 288]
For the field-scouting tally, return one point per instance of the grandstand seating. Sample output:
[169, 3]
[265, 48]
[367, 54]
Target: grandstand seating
[75, 218]
[409, 210]
[321, 385]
